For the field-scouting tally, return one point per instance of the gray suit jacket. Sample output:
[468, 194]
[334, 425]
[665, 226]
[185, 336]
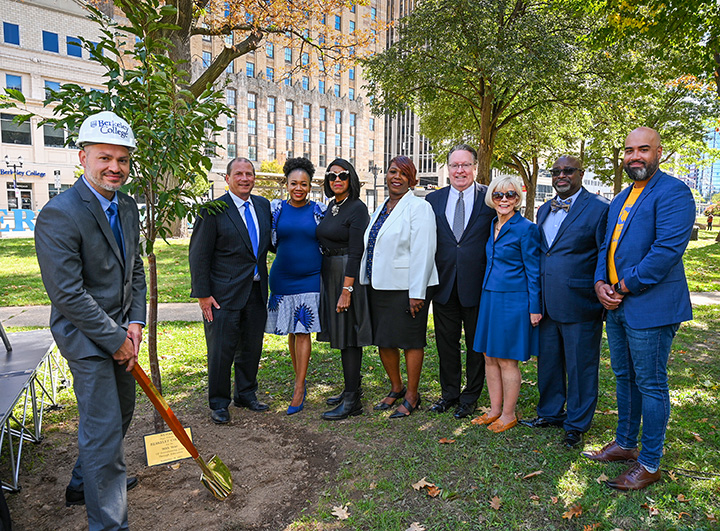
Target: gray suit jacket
[95, 294]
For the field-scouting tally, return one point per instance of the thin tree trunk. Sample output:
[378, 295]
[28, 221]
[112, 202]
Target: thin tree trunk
[152, 335]
[618, 171]
[530, 188]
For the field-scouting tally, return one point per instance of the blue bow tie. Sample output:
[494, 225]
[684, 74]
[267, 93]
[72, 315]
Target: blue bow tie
[557, 204]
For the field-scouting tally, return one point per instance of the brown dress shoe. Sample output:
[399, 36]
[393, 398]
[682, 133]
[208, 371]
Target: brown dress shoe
[611, 452]
[634, 478]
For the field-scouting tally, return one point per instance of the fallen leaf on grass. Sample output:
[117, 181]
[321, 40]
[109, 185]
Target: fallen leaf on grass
[680, 515]
[697, 437]
[373, 485]
[495, 502]
[575, 510]
[535, 497]
[532, 474]
[340, 512]
[416, 526]
[590, 527]
[653, 511]
[554, 499]
[422, 483]
[433, 491]
[601, 478]
[704, 420]
[672, 475]
[711, 517]
[445, 440]
[682, 498]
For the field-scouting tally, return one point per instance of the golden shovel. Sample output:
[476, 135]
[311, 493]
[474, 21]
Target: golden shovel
[215, 475]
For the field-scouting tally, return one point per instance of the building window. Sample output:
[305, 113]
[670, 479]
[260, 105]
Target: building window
[74, 47]
[288, 132]
[289, 108]
[271, 129]
[305, 83]
[252, 127]
[338, 22]
[371, 124]
[288, 81]
[373, 14]
[321, 86]
[53, 137]
[252, 152]
[230, 68]
[351, 73]
[11, 33]
[206, 59]
[323, 114]
[321, 137]
[50, 42]
[305, 58]
[52, 191]
[321, 160]
[337, 90]
[306, 135]
[13, 133]
[270, 74]
[271, 104]
[271, 153]
[95, 50]
[270, 50]
[353, 119]
[351, 94]
[371, 145]
[288, 55]
[252, 100]
[231, 124]
[13, 82]
[338, 117]
[232, 151]
[351, 26]
[306, 110]
[338, 140]
[50, 87]
[250, 69]
[231, 95]
[352, 142]
[229, 39]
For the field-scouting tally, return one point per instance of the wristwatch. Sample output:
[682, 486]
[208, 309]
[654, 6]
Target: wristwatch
[349, 288]
[618, 289]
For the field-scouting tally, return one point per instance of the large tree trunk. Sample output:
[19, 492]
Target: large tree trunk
[487, 140]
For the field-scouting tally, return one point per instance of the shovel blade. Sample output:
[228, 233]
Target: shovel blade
[217, 478]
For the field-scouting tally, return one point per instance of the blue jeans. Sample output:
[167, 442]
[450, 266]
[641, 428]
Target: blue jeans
[639, 360]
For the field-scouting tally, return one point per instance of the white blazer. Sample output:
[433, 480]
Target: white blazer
[404, 256]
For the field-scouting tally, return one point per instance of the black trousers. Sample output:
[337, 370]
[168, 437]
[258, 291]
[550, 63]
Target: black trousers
[235, 337]
[450, 319]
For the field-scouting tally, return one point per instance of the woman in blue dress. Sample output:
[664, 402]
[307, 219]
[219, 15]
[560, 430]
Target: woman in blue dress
[293, 305]
[510, 303]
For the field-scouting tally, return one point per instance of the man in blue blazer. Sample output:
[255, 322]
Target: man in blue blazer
[228, 268]
[640, 280]
[87, 244]
[463, 226]
[572, 230]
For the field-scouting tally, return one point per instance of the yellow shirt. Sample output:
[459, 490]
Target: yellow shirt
[638, 187]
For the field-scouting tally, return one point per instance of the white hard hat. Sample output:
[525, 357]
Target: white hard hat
[106, 127]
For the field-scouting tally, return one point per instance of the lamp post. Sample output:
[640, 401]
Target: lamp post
[15, 164]
[374, 169]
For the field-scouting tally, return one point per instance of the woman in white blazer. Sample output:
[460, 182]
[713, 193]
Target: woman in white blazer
[399, 264]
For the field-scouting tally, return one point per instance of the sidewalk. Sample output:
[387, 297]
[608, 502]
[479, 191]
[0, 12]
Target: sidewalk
[177, 311]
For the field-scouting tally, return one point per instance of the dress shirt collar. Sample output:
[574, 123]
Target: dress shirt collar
[239, 202]
[104, 201]
[572, 197]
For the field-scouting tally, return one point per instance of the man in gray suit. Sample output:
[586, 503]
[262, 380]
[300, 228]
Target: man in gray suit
[228, 254]
[87, 243]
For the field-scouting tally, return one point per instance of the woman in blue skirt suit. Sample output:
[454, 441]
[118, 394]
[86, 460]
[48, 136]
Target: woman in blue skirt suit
[510, 303]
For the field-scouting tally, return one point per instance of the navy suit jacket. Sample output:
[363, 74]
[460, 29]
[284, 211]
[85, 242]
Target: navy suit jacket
[567, 268]
[222, 261]
[514, 260]
[95, 293]
[465, 260]
[649, 252]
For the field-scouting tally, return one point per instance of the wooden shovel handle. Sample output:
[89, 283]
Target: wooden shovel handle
[162, 406]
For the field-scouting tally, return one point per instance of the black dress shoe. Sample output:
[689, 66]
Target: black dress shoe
[464, 410]
[337, 399]
[540, 422]
[220, 416]
[442, 405]
[573, 439]
[77, 497]
[252, 405]
[400, 415]
[383, 406]
[351, 406]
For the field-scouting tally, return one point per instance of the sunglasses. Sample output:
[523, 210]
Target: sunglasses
[510, 194]
[343, 176]
[565, 171]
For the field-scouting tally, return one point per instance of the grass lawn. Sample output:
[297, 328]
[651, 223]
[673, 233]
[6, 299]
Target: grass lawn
[375, 480]
[21, 285]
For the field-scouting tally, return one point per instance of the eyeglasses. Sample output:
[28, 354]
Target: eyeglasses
[565, 171]
[510, 194]
[343, 176]
[464, 166]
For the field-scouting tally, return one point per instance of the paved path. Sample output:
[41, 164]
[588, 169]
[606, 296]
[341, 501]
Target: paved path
[176, 311]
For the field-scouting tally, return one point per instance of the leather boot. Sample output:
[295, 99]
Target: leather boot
[337, 399]
[349, 407]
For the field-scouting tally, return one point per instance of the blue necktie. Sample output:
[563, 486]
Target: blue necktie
[252, 231]
[114, 220]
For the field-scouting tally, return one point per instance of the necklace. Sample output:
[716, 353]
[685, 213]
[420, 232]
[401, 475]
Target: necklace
[336, 207]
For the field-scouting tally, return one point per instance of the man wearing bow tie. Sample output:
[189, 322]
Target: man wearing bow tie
[572, 228]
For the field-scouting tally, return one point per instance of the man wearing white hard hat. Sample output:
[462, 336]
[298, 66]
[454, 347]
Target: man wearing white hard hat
[87, 244]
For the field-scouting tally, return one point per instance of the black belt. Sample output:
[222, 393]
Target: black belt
[334, 252]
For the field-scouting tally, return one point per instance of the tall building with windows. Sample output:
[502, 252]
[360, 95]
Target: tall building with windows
[282, 111]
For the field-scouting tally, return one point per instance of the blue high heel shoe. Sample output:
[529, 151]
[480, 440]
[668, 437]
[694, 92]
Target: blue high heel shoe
[291, 410]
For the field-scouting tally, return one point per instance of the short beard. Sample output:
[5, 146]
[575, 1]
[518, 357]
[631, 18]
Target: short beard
[641, 174]
[102, 185]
